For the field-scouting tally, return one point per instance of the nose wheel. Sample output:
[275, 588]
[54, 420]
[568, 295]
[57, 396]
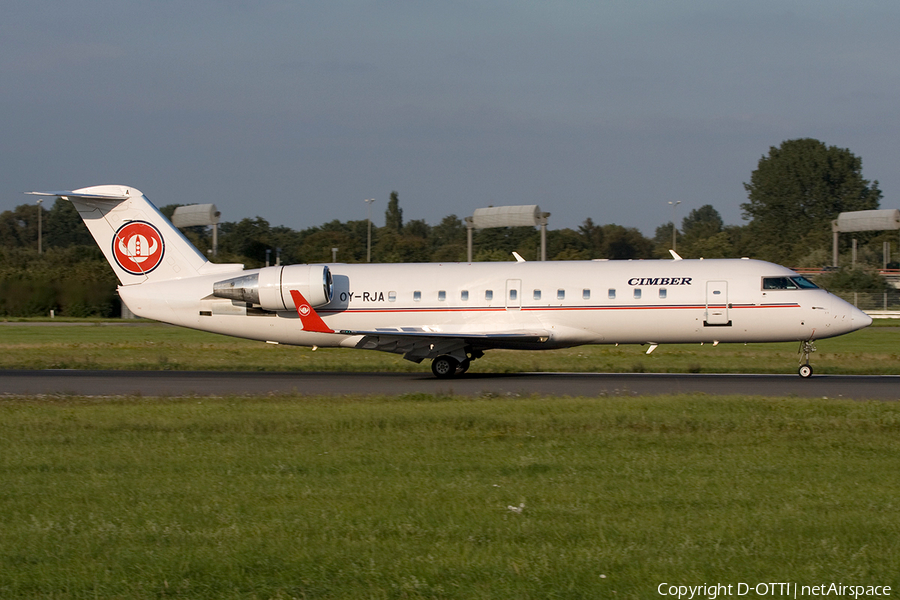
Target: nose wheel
[806, 348]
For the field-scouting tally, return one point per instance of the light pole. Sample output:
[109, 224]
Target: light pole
[40, 210]
[369, 202]
[674, 229]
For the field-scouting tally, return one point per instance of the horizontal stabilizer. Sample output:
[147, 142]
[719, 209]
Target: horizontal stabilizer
[70, 194]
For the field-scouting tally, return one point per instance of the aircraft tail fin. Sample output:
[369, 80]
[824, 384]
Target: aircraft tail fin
[140, 244]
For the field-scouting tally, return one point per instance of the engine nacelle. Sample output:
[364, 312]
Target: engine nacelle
[270, 288]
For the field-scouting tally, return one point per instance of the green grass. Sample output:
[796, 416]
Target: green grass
[875, 350]
[370, 497]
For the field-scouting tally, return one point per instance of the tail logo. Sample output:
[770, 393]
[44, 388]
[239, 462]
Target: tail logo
[138, 247]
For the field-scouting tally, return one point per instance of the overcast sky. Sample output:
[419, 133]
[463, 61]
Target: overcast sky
[299, 111]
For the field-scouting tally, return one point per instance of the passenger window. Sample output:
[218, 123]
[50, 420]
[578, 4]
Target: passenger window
[637, 293]
[612, 294]
[560, 294]
[464, 295]
[488, 294]
[537, 294]
[586, 294]
[417, 296]
[392, 296]
[442, 295]
[513, 294]
[662, 292]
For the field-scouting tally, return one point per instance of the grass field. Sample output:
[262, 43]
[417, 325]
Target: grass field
[439, 497]
[151, 346]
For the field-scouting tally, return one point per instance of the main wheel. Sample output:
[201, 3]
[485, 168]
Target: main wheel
[444, 367]
[805, 371]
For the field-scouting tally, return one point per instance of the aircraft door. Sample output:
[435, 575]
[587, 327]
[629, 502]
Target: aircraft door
[513, 294]
[717, 304]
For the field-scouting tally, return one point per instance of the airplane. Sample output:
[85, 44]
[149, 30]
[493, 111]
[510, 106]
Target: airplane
[452, 313]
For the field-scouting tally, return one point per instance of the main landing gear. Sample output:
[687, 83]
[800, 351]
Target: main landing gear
[447, 367]
[807, 347]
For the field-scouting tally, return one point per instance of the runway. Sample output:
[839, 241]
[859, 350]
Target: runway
[210, 383]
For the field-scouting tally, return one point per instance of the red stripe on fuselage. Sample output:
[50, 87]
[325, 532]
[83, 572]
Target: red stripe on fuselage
[549, 308]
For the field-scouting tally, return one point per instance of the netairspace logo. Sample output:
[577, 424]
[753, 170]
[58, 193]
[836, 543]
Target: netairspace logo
[777, 589]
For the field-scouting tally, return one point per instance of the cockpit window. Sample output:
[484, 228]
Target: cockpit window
[788, 283]
[778, 283]
[804, 283]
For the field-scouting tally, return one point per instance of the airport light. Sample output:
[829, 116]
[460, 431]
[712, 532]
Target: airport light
[369, 202]
[674, 229]
[199, 215]
[40, 210]
[864, 220]
[529, 215]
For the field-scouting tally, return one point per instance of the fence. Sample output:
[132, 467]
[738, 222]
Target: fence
[877, 300]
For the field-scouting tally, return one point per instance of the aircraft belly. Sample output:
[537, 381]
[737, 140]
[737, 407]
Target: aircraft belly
[679, 324]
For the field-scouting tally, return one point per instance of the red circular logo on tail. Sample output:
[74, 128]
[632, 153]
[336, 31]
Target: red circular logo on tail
[138, 247]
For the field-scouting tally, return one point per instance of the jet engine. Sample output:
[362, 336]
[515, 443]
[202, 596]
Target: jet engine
[270, 287]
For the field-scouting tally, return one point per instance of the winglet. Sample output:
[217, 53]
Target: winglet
[308, 316]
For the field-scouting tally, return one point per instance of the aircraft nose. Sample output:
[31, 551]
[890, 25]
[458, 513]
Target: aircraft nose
[845, 317]
[859, 319]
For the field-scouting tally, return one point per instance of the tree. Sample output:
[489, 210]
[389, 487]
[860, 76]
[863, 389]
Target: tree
[662, 240]
[448, 240]
[19, 227]
[63, 227]
[703, 234]
[393, 216]
[248, 238]
[797, 190]
[593, 237]
[417, 228]
[702, 222]
[625, 242]
[567, 244]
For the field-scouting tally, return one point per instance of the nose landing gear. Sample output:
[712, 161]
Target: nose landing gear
[807, 347]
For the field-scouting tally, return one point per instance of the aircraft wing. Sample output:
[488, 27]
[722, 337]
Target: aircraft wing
[417, 344]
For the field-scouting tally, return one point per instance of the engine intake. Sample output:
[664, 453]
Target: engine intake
[270, 287]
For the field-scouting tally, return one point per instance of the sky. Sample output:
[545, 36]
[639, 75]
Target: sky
[297, 112]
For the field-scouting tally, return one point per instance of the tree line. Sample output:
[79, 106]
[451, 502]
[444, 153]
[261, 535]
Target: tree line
[793, 194]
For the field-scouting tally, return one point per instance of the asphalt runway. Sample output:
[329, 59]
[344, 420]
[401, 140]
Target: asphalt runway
[209, 383]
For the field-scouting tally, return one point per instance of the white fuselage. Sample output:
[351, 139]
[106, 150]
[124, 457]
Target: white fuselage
[577, 302]
[452, 313]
